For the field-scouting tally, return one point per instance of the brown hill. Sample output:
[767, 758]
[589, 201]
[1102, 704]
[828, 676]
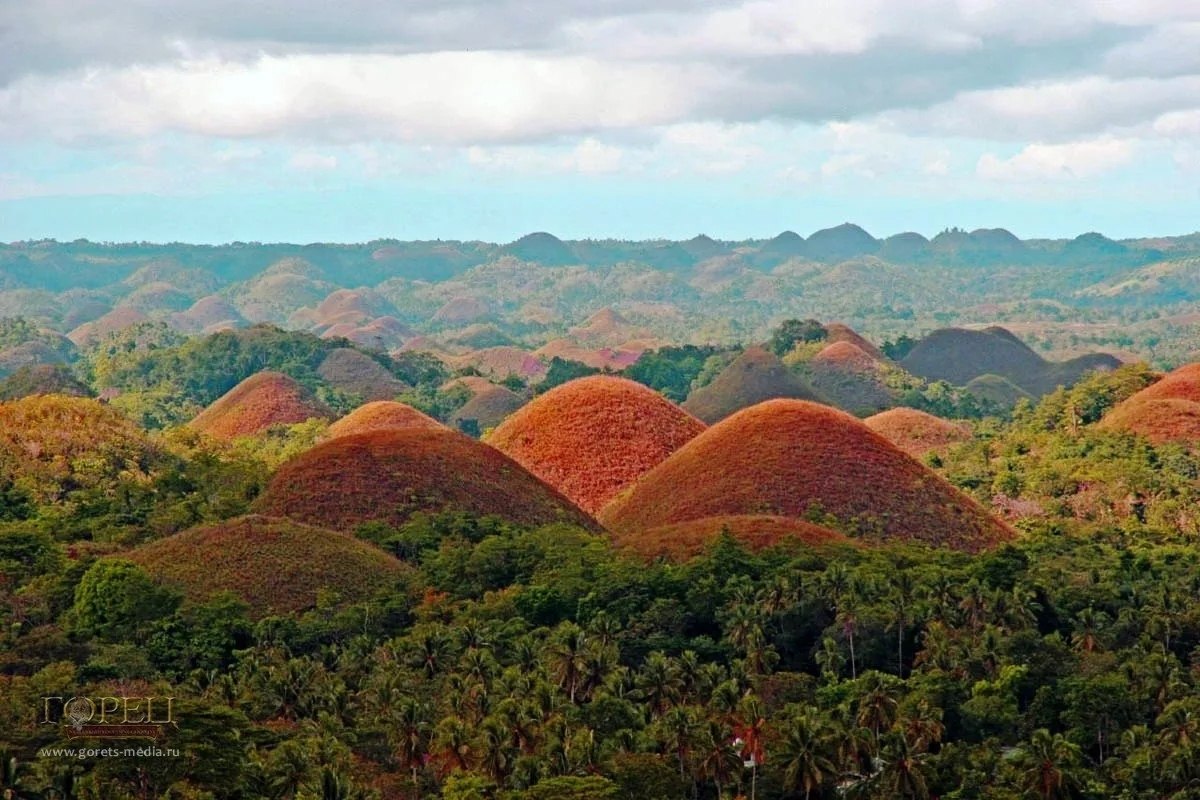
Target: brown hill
[590, 438]
[684, 540]
[500, 362]
[1160, 420]
[352, 305]
[850, 378]
[488, 407]
[276, 566]
[257, 403]
[997, 390]
[916, 432]
[1179, 384]
[36, 379]
[958, 355]
[358, 374]
[754, 376]
[461, 310]
[207, 314]
[390, 475]
[792, 458]
[839, 332]
[116, 320]
[382, 415]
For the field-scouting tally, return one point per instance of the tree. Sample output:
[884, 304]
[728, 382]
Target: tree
[116, 600]
[1050, 766]
[793, 331]
[806, 753]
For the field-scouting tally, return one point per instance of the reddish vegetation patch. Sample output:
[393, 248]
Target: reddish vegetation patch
[837, 332]
[1179, 384]
[276, 566]
[461, 310]
[592, 437]
[683, 540]
[502, 361]
[596, 357]
[754, 376]
[791, 458]
[1160, 420]
[846, 356]
[257, 403]
[382, 415]
[116, 320]
[916, 432]
[390, 475]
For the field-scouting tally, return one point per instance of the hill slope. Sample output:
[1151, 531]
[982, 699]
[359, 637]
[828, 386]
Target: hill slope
[390, 475]
[791, 458]
[381, 415]
[591, 437]
[260, 401]
[754, 376]
[684, 540]
[916, 432]
[276, 566]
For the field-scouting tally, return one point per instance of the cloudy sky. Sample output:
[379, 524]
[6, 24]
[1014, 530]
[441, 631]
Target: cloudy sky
[305, 120]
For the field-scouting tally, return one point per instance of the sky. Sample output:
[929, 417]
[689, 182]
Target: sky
[308, 120]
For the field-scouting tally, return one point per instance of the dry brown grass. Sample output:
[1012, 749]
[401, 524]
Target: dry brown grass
[262, 400]
[390, 475]
[276, 566]
[916, 432]
[794, 458]
[592, 437]
[754, 376]
[382, 415]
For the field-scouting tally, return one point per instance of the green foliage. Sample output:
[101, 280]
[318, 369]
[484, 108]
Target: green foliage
[795, 331]
[562, 370]
[670, 370]
[116, 600]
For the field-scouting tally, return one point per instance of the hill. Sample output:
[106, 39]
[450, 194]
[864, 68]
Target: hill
[1165, 411]
[488, 406]
[116, 320]
[841, 243]
[997, 390]
[257, 403]
[356, 373]
[684, 540]
[754, 376]
[958, 355]
[542, 248]
[840, 332]
[275, 565]
[591, 437]
[381, 415]
[795, 458]
[42, 379]
[57, 444]
[1160, 420]
[916, 432]
[388, 476]
[849, 378]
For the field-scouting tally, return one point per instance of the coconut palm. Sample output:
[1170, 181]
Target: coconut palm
[1050, 765]
[806, 753]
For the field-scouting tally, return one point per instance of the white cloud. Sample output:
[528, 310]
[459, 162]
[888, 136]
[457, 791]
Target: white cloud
[1179, 124]
[1061, 110]
[443, 98]
[1050, 162]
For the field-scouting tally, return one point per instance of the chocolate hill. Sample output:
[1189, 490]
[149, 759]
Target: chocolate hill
[275, 565]
[591, 437]
[262, 400]
[490, 404]
[754, 376]
[916, 432]
[684, 540]
[958, 355]
[1165, 411]
[793, 458]
[381, 415]
[388, 476]
[850, 378]
[356, 373]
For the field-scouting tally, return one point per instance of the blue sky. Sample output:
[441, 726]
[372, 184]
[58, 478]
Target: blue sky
[216, 120]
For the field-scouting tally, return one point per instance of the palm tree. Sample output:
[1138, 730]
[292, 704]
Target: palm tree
[877, 708]
[719, 760]
[658, 683]
[806, 754]
[1086, 637]
[901, 772]
[565, 657]
[903, 594]
[409, 736]
[1049, 766]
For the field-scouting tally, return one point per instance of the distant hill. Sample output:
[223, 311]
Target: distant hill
[754, 376]
[255, 404]
[958, 356]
